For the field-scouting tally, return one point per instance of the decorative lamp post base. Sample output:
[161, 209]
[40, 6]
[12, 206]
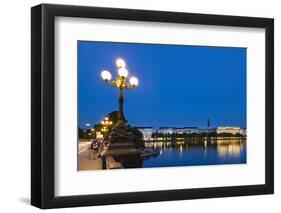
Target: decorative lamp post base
[121, 146]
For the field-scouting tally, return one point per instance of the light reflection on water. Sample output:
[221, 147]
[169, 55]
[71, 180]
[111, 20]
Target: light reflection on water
[209, 152]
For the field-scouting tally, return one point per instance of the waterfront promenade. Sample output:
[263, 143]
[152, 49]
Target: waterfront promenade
[88, 160]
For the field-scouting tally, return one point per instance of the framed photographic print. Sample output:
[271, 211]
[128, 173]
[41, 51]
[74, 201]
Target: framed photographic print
[139, 106]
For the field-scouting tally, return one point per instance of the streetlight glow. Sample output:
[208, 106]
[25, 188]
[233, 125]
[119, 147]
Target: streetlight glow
[123, 72]
[106, 75]
[120, 63]
[105, 124]
[134, 81]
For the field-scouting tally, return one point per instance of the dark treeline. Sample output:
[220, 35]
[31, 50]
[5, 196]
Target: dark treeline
[112, 116]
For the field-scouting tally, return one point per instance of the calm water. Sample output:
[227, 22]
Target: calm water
[208, 153]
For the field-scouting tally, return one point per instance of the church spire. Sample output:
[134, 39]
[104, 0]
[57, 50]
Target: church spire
[209, 122]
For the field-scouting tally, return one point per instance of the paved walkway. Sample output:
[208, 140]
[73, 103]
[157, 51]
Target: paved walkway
[88, 160]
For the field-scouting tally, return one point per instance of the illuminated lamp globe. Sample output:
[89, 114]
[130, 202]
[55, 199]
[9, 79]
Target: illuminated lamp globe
[120, 63]
[123, 72]
[134, 81]
[105, 75]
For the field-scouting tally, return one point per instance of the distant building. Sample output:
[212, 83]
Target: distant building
[166, 130]
[187, 130]
[146, 132]
[206, 130]
[243, 131]
[228, 129]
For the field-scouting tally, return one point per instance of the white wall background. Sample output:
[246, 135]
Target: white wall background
[15, 105]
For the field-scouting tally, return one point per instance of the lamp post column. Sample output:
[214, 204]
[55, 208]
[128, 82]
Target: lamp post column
[121, 101]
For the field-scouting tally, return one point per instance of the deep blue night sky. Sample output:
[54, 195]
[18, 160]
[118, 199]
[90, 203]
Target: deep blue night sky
[178, 85]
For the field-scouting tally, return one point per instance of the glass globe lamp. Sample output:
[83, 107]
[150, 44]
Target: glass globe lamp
[106, 75]
[134, 81]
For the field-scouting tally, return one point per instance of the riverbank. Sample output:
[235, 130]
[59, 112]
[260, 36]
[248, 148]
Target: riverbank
[197, 139]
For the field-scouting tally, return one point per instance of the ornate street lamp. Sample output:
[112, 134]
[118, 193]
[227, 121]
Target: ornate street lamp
[120, 83]
[121, 143]
[105, 124]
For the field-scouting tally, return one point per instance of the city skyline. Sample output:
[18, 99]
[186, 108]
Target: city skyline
[179, 85]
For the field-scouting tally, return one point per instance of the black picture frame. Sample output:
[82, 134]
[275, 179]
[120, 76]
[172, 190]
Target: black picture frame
[43, 111]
